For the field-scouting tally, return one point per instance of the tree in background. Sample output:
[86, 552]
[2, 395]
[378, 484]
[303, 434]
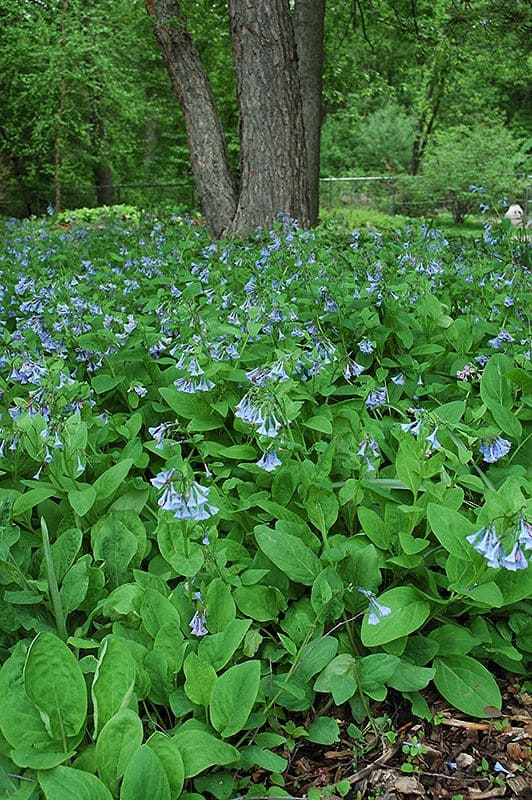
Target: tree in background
[273, 175]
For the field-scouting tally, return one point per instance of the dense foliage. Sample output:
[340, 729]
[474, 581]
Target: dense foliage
[243, 484]
[84, 92]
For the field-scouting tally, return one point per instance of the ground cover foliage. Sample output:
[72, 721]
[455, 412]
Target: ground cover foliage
[243, 484]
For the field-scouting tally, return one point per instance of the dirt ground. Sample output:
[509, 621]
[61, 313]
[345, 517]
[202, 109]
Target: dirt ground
[457, 758]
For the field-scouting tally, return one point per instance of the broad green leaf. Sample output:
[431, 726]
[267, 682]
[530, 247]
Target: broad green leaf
[110, 480]
[64, 551]
[115, 545]
[410, 678]
[322, 508]
[338, 678]
[506, 421]
[494, 385]
[451, 529]
[75, 585]
[201, 750]
[315, 656]
[219, 605]
[324, 730]
[31, 499]
[260, 757]
[408, 467]
[113, 682]
[104, 383]
[233, 697]
[319, 423]
[408, 613]
[145, 777]
[54, 683]
[219, 648]
[289, 554]
[65, 783]
[20, 721]
[260, 602]
[168, 753]
[31, 758]
[467, 685]
[82, 498]
[374, 527]
[156, 611]
[200, 679]
[118, 740]
[187, 559]
[375, 670]
[453, 639]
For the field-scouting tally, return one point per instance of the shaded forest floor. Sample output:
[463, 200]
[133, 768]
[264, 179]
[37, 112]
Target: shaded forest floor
[455, 757]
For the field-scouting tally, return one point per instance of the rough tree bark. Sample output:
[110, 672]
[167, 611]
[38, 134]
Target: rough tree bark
[273, 165]
[273, 162]
[309, 16]
[204, 130]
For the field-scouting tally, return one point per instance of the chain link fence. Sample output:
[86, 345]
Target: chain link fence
[409, 195]
[406, 195]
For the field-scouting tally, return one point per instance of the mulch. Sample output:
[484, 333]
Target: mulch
[458, 762]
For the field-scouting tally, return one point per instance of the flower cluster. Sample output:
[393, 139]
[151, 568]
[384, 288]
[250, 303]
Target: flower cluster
[486, 542]
[190, 503]
[495, 448]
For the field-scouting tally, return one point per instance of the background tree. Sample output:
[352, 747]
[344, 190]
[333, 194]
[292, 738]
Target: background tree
[273, 173]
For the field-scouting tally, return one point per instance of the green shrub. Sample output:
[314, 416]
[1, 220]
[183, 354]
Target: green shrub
[471, 168]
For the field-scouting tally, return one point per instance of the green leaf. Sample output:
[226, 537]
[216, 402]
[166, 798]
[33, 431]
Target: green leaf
[82, 498]
[110, 480]
[322, 508]
[454, 639]
[408, 613]
[65, 783]
[75, 585]
[157, 611]
[324, 730]
[374, 527]
[319, 423]
[288, 553]
[219, 605]
[54, 683]
[451, 529]
[168, 753]
[145, 777]
[410, 678]
[219, 648]
[30, 499]
[408, 467]
[260, 602]
[467, 685]
[338, 678]
[201, 750]
[186, 561]
[115, 545]
[507, 422]
[31, 758]
[233, 697]
[113, 682]
[494, 386]
[119, 739]
[104, 383]
[20, 721]
[200, 679]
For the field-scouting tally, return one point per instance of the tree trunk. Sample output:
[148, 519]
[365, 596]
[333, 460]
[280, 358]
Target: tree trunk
[273, 164]
[204, 130]
[103, 180]
[309, 31]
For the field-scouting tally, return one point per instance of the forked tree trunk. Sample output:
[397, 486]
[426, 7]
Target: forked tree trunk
[273, 164]
[309, 17]
[204, 130]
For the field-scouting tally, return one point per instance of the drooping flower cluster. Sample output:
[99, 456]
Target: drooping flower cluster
[495, 448]
[189, 503]
[486, 542]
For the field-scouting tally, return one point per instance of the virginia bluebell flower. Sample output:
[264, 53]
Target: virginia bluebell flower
[269, 461]
[198, 624]
[495, 448]
[432, 440]
[377, 611]
[376, 398]
[365, 346]
[501, 338]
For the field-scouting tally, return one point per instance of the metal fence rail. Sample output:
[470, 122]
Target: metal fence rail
[390, 194]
